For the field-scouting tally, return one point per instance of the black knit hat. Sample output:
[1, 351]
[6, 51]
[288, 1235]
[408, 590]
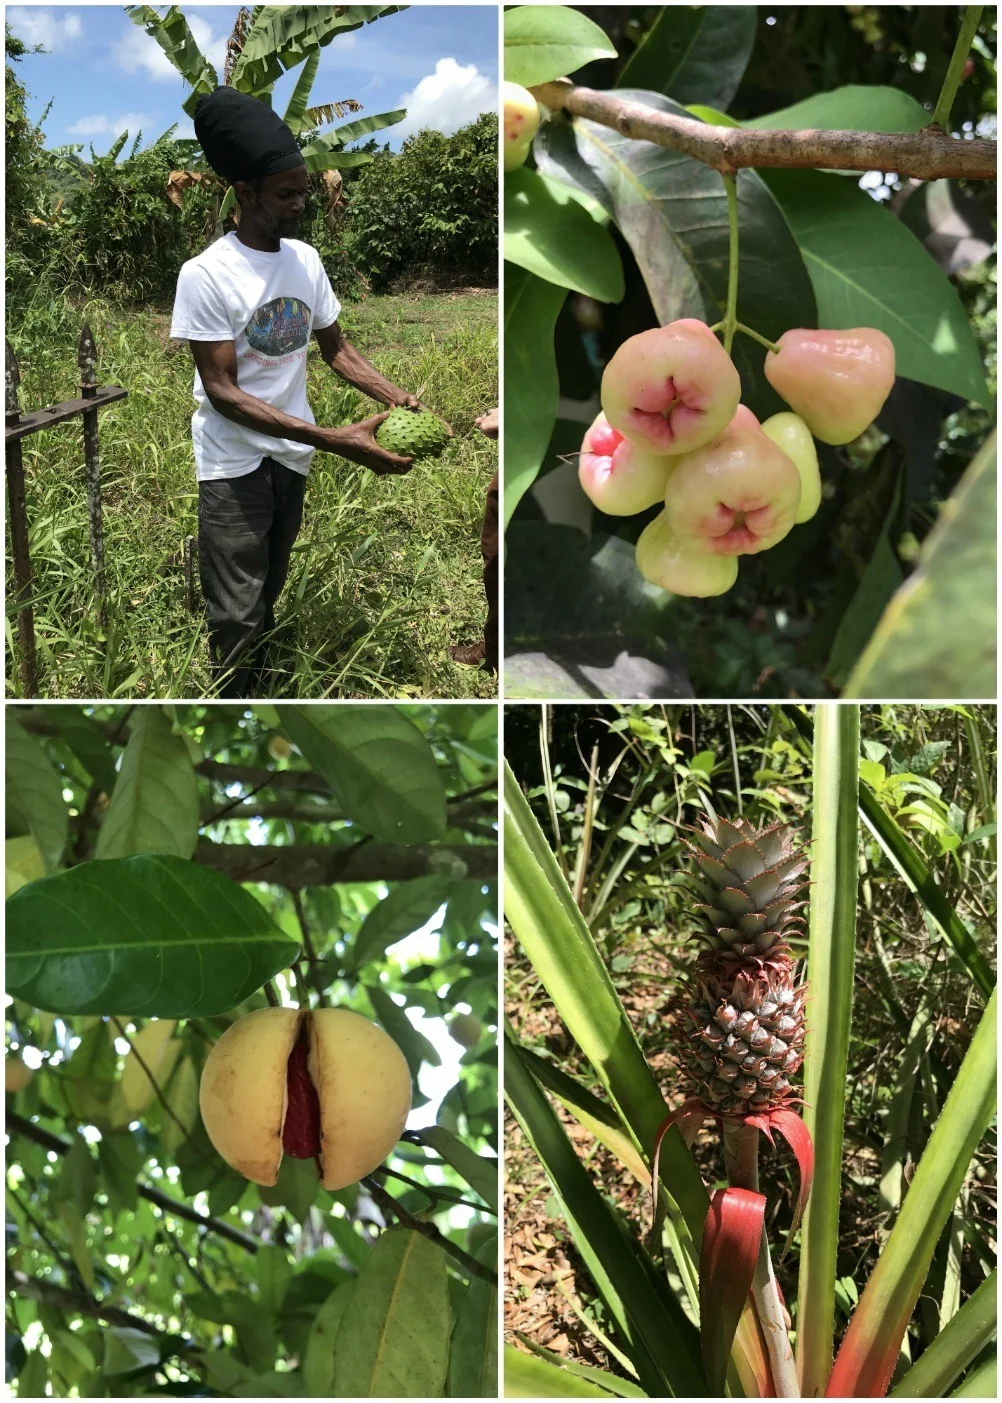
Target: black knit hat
[242, 138]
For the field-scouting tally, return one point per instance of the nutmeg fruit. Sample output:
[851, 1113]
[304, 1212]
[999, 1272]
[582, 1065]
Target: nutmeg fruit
[325, 1084]
[466, 1029]
[17, 1074]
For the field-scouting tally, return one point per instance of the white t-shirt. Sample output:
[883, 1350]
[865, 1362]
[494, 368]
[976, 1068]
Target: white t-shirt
[268, 304]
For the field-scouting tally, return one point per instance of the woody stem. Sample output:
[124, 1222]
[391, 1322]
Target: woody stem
[741, 1160]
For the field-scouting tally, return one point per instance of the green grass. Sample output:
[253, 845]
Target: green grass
[386, 572]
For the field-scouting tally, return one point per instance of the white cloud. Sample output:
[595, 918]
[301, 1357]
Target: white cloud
[58, 33]
[137, 52]
[450, 98]
[98, 125]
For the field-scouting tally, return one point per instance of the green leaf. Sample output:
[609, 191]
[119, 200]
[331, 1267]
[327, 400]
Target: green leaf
[663, 1344]
[621, 1388]
[480, 1172]
[937, 637]
[77, 1177]
[394, 1337]
[379, 765]
[694, 53]
[473, 1354]
[407, 907]
[23, 863]
[84, 737]
[526, 1376]
[531, 388]
[581, 621]
[868, 269]
[543, 42]
[852, 108]
[279, 36]
[154, 805]
[35, 801]
[672, 211]
[548, 232]
[318, 1358]
[553, 933]
[76, 1235]
[881, 577]
[149, 936]
[869, 1348]
[414, 1045]
[126, 1349]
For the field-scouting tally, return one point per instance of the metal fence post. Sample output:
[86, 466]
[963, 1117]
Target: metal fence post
[18, 514]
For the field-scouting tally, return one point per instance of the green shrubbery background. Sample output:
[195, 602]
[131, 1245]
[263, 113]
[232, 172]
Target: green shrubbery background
[426, 214]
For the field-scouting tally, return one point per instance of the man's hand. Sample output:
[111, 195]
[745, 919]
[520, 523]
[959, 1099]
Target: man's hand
[357, 442]
[488, 423]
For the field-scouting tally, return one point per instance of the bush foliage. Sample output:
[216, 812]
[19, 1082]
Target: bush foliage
[105, 225]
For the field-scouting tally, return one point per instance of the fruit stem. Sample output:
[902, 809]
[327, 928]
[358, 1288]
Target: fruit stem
[955, 72]
[741, 1160]
[731, 314]
[755, 336]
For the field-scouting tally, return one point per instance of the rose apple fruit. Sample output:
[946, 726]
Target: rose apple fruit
[521, 122]
[680, 566]
[672, 389]
[791, 434]
[737, 495]
[619, 476]
[837, 381]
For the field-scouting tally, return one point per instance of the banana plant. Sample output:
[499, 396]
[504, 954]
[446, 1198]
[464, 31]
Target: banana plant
[720, 1280]
[265, 43]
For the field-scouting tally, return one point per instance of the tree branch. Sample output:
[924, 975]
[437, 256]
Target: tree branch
[322, 865]
[76, 1302]
[928, 155]
[17, 1125]
[388, 1204]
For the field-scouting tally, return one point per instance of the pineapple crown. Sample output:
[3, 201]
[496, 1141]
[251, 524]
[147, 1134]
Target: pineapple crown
[751, 881]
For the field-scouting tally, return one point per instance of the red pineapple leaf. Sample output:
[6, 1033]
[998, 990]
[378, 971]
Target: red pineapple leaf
[732, 1236]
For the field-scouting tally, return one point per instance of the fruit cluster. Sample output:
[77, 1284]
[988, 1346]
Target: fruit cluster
[672, 430]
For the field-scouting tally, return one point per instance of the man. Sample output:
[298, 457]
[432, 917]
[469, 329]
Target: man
[247, 306]
[485, 654]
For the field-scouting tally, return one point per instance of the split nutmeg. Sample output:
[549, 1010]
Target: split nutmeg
[325, 1085]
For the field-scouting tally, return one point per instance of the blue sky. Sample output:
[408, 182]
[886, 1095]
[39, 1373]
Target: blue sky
[104, 74]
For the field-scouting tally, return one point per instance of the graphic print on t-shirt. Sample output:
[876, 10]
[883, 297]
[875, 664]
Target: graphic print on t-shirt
[280, 327]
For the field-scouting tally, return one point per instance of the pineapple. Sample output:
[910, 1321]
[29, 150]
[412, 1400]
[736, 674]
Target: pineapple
[739, 1021]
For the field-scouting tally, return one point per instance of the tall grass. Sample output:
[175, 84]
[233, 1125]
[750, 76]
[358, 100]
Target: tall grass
[386, 572]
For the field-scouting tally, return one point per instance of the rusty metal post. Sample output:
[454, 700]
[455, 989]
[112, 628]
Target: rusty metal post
[191, 599]
[87, 361]
[18, 514]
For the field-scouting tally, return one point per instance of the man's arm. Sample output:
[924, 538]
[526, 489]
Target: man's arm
[216, 362]
[351, 365]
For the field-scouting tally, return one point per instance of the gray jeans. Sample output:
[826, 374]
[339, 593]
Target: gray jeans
[247, 527]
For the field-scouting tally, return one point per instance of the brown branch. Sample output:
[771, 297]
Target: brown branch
[388, 1204]
[308, 946]
[78, 1303]
[17, 1125]
[323, 865]
[928, 154]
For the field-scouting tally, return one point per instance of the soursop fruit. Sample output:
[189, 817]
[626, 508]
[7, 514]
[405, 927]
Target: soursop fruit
[413, 433]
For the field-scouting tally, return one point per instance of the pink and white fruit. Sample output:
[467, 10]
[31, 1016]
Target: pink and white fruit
[619, 477]
[791, 434]
[737, 495]
[521, 122]
[837, 381]
[671, 389]
[680, 566]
